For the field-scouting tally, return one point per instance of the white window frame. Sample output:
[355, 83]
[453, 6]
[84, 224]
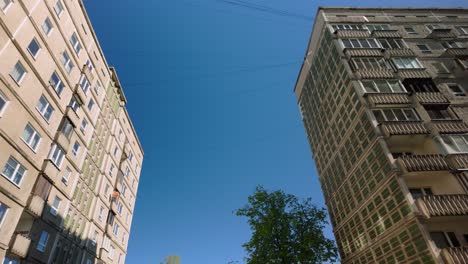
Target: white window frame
[116, 151]
[360, 43]
[410, 32]
[38, 48]
[403, 61]
[34, 136]
[18, 65]
[84, 83]
[381, 27]
[442, 65]
[47, 24]
[451, 45]
[462, 93]
[101, 213]
[66, 175]
[454, 147]
[115, 229]
[124, 189]
[463, 30]
[5, 103]
[364, 62]
[76, 43]
[378, 88]
[91, 104]
[127, 171]
[111, 170]
[44, 111]
[57, 151]
[67, 62]
[111, 252]
[74, 104]
[7, 5]
[76, 148]
[394, 111]
[130, 156]
[5, 212]
[120, 208]
[59, 8]
[54, 208]
[42, 242]
[58, 85]
[84, 125]
[16, 170]
[425, 50]
[463, 63]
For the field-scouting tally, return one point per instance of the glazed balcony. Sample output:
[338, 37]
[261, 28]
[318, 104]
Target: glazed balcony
[454, 126]
[430, 98]
[387, 98]
[421, 163]
[21, 243]
[455, 255]
[443, 205]
[396, 128]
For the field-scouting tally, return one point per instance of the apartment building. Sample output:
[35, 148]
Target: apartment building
[383, 94]
[70, 159]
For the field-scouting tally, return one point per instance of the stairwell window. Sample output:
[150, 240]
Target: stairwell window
[56, 83]
[382, 86]
[84, 125]
[66, 176]
[3, 103]
[31, 137]
[456, 89]
[5, 4]
[56, 155]
[360, 43]
[74, 104]
[18, 72]
[14, 171]
[3, 212]
[66, 128]
[115, 229]
[42, 243]
[34, 48]
[44, 108]
[410, 30]
[55, 205]
[75, 43]
[76, 148]
[66, 62]
[395, 114]
[456, 143]
[407, 63]
[58, 8]
[47, 26]
[84, 83]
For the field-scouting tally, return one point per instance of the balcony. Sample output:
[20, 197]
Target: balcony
[413, 74]
[458, 161]
[455, 255]
[80, 94]
[449, 126]
[88, 73]
[73, 116]
[21, 243]
[352, 33]
[395, 128]
[385, 34]
[36, 205]
[350, 52]
[455, 52]
[443, 205]
[442, 33]
[374, 74]
[430, 98]
[387, 98]
[63, 141]
[399, 53]
[50, 170]
[429, 162]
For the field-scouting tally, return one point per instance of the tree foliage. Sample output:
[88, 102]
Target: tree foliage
[286, 230]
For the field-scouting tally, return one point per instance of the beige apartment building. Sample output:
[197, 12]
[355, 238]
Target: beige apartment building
[383, 94]
[70, 159]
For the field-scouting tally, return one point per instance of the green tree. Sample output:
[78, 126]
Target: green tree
[286, 230]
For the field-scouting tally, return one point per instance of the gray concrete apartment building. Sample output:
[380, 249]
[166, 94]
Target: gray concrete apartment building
[70, 159]
[383, 94]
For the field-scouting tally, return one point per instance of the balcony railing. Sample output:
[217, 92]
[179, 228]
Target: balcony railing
[442, 33]
[393, 128]
[455, 52]
[430, 162]
[36, 205]
[458, 161]
[350, 52]
[399, 52]
[386, 34]
[21, 244]
[455, 255]
[443, 205]
[374, 74]
[413, 74]
[430, 98]
[352, 33]
[450, 126]
[387, 98]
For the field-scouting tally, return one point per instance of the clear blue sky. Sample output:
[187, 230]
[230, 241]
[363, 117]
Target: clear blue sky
[210, 92]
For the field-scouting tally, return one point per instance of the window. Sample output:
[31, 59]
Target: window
[97, 87]
[34, 48]
[106, 243]
[127, 217]
[111, 171]
[14, 171]
[74, 104]
[67, 128]
[89, 64]
[130, 156]
[444, 239]
[392, 43]
[90, 104]
[116, 151]
[378, 27]
[395, 114]
[3, 103]
[120, 135]
[420, 192]
[410, 30]
[44, 108]
[55, 205]
[84, 83]
[424, 48]
[435, 26]
[75, 43]
[127, 171]
[95, 236]
[382, 86]
[47, 26]
[133, 183]
[3, 212]
[360, 43]
[56, 83]
[10, 260]
[115, 229]
[440, 67]
[463, 63]
[88, 261]
[407, 63]
[348, 27]
[370, 63]
[66, 176]
[124, 189]
[451, 45]
[76, 148]
[18, 72]
[463, 30]
[84, 124]
[56, 155]
[119, 208]
[437, 112]
[101, 213]
[31, 137]
[124, 237]
[42, 243]
[66, 61]
[119, 260]
[456, 143]
[58, 8]
[456, 89]
[111, 252]
[5, 4]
